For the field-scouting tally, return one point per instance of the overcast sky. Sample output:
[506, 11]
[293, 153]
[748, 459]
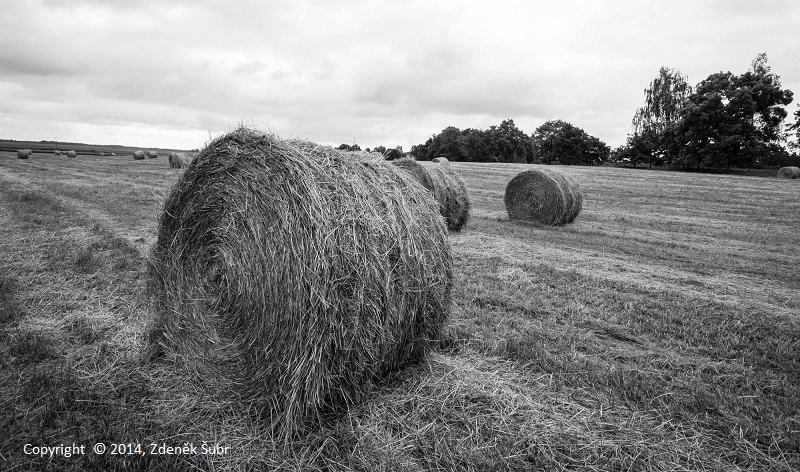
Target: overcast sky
[171, 74]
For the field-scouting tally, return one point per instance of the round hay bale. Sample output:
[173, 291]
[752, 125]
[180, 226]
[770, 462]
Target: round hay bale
[300, 277]
[573, 197]
[113, 153]
[152, 154]
[543, 196]
[446, 186]
[179, 159]
[24, 153]
[72, 154]
[440, 160]
[57, 153]
[138, 155]
[789, 173]
[415, 170]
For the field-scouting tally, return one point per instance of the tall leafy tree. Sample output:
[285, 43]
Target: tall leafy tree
[509, 143]
[558, 140]
[733, 120]
[664, 99]
[654, 124]
[448, 143]
[795, 129]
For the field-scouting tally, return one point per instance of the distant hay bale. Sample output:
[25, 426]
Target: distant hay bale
[447, 187]
[298, 277]
[440, 160]
[113, 153]
[72, 154]
[57, 153]
[152, 154]
[179, 159]
[138, 155]
[24, 153]
[544, 196]
[789, 173]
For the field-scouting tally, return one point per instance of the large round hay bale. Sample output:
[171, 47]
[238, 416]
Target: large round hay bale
[57, 153]
[24, 153]
[152, 154]
[179, 159]
[72, 154]
[113, 153]
[447, 187]
[138, 155]
[300, 277]
[543, 196]
[789, 173]
[440, 160]
[573, 196]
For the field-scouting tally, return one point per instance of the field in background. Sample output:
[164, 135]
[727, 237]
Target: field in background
[660, 331]
[49, 147]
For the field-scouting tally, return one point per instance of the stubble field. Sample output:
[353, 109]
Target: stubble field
[660, 331]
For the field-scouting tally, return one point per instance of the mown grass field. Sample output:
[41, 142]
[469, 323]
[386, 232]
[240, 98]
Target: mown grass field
[660, 331]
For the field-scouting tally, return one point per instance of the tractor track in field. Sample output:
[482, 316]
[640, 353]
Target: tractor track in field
[84, 208]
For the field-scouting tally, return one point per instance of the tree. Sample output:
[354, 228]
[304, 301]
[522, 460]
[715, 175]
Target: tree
[639, 148]
[503, 143]
[448, 143]
[420, 151]
[732, 120]
[654, 124]
[509, 143]
[559, 141]
[795, 144]
[664, 99]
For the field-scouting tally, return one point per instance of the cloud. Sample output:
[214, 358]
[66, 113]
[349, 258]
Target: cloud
[384, 72]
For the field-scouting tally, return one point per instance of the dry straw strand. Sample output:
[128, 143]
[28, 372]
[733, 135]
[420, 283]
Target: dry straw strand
[179, 159]
[789, 173]
[138, 155]
[299, 272]
[446, 186]
[543, 196]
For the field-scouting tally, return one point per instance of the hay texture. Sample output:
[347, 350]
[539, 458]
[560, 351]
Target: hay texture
[446, 186]
[301, 275]
[23, 153]
[440, 160]
[152, 154]
[543, 196]
[789, 173]
[138, 155]
[72, 154]
[179, 159]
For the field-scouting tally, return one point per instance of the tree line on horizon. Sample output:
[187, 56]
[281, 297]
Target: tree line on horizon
[725, 121]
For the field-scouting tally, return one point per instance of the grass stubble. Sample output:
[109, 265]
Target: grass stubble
[667, 341]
